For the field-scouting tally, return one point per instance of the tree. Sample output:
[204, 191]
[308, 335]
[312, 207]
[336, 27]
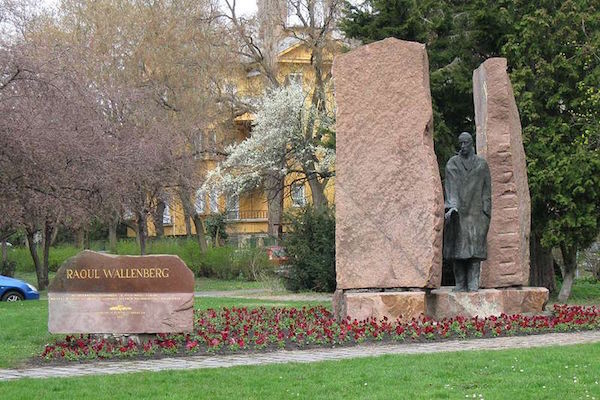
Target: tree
[556, 74]
[285, 120]
[51, 143]
[312, 23]
[551, 48]
[156, 67]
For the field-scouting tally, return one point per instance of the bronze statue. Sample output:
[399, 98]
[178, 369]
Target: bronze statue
[468, 208]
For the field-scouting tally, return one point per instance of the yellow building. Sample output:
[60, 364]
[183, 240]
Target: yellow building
[246, 215]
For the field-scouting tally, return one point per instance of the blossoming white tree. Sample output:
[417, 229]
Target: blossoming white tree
[286, 143]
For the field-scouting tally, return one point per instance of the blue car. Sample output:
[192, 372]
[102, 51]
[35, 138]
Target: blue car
[12, 289]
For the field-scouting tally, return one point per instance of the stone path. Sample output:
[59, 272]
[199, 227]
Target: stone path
[301, 356]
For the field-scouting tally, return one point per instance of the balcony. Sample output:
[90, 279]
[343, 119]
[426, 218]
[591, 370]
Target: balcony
[246, 215]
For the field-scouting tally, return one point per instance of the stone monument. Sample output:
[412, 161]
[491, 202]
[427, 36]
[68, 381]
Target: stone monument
[99, 293]
[499, 141]
[505, 272]
[389, 202]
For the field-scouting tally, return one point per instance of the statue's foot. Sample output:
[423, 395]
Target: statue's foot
[473, 290]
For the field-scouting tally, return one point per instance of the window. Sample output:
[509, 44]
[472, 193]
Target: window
[128, 215]
[298, 195]
[205, 143]
[213, 201]
[233, 206]
[294, 78]
[167, 218]
[200, 203]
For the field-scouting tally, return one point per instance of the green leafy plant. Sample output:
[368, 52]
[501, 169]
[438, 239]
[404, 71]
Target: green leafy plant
[310, 245]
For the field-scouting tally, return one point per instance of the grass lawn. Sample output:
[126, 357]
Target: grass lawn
[24, 325]
[570, 372]
[584, 292]
[211, 284]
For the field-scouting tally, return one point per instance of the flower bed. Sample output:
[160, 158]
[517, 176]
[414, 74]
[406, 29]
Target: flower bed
[260, 329]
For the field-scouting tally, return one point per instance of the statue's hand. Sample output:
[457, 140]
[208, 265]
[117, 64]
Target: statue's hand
[450, 212]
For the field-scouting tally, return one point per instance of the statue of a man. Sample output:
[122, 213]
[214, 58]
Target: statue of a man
[468, 208]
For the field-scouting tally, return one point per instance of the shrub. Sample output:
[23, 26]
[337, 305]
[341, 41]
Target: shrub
[230, 263]
[215, 224]
[253, 264]
[310, 245]
[21, 257]
[218, 262]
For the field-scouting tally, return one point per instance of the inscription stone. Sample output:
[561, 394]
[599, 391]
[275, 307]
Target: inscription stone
[499, 141]
[99, 293]
[388, 194]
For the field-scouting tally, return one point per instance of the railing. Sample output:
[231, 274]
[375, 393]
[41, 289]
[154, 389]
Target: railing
[237, 215]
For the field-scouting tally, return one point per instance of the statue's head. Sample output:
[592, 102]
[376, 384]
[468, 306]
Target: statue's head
[465, 143]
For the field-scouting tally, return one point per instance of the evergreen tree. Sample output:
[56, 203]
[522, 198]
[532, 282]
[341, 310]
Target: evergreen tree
[554, 65]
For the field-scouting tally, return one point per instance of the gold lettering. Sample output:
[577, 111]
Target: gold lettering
[69, 274]
[146, 273]
[165, 272]
[152, 273]
[76, 274]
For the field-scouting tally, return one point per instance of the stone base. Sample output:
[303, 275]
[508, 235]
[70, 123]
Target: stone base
[393, 305]
[443, 303]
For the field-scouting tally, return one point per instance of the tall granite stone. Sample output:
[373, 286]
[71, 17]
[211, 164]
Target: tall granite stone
[389, 201]
[500, 142]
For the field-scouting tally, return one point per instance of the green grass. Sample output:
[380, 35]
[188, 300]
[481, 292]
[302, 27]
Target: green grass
[570, 372]
[23, 331]
[208, 284]
[24, 325]
[584, 291]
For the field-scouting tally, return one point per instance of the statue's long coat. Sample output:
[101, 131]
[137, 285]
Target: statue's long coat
[468, 189]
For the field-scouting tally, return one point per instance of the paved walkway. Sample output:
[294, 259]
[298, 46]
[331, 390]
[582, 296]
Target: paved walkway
[302, 356]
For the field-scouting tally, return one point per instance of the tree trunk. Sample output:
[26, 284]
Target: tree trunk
[188, 224]
[157, 217]
[541, 272]
[54, 235]
[36, 260]
[274, 189]
[112, 235]
[141, 231]
[80, 237]
[317, 190]
[48, 230]
[188, 213]
[217, 239]
[570, 259]
[4, 252]
[200, 233]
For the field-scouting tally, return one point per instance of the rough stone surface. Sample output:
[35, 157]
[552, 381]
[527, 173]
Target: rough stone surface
[500, 142]
[388, 193]
[443, 303]
[393, 305]
[99, 293]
